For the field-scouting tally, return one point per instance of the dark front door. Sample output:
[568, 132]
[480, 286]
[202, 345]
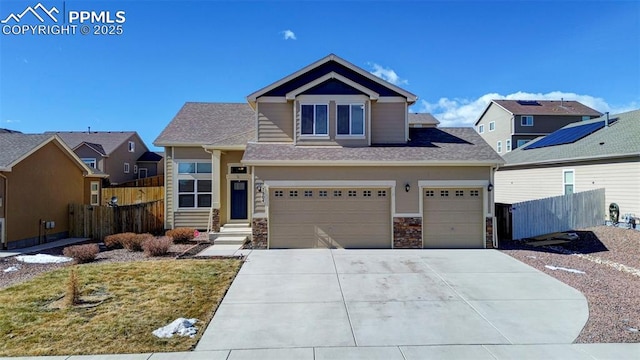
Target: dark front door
[239, 199]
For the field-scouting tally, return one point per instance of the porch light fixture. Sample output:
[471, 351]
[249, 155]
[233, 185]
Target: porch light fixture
[490, 187]
[259, 188]
[407, 187]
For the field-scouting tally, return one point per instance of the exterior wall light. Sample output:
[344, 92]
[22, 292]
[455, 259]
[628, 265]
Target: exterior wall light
[407, 187]
[490, 187]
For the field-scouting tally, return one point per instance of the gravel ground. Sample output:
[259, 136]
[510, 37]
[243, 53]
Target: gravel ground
[612, 291]
[28, 271]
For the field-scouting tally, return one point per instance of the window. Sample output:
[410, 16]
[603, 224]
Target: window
[194, 184]
[352, 193]
[507, 144]
[293, 193]
[586, 117]
[492, 126]
[322, 193]
[429, 193]
[382, 193]
[459, 193]
[278, 193]
[350, 119]
[444, 193]
[481, 129]
[366, 193]
[521, 142]
[95, 192]
[126, 168]
[526, 120]
[91, 162]
[499, 147]
[238, 170]
[568, 181]
[308, 193]
[474, 193]
[132, 146]
[337, 193]
[135, 169]
[314, 119]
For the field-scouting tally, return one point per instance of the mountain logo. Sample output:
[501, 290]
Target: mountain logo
[34, 11]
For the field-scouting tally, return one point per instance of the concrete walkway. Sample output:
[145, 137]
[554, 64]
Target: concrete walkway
[382, 304]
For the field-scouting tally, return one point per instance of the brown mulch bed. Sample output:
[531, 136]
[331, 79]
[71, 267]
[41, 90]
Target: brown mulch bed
[613, 295]
[27, 271]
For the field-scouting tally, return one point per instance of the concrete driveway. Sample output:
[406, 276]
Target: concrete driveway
[390, 298]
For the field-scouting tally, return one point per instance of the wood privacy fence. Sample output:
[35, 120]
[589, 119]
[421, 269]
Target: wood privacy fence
[133, 195]
[96, 222]
[556, 214]
[157, 180]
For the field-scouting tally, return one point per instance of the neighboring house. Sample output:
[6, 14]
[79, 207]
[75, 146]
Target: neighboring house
[325, 157]
[509, 124]
[579, 157]
[120, 154]
[39, 177]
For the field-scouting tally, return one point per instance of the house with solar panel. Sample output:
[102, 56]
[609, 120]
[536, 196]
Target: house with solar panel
[598, 153]
[509, 124]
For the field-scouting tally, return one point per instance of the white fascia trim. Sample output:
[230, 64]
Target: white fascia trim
[364, 163]
[452, 183]
[260, 215]
[224, 147]
[271, 99]
[332, 75]
[330, 183]
[391, 99]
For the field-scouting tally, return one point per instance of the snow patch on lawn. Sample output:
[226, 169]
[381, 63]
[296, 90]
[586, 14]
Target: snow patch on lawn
[43, 259]
[11, 269]
[564, 269]
[180, 326]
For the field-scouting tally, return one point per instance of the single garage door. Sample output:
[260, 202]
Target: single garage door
[453, 218]
[329, 218]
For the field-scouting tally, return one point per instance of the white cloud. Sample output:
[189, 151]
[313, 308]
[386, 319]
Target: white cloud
[9, 121]
[288, 35]
[465, 112]
[387, 74]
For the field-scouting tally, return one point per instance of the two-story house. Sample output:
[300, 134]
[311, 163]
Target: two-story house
[120, 154]
[509, 124]
[326, 157]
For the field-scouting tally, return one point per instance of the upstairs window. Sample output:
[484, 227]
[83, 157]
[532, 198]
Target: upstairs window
[91, 162]
[499, 147]
[126, 168]
[492, 126]
[350, 119]
[508, 145]
[586, 117]
[481, 129]
[526, 120]
[521, 142]
[314, 119]
[132, 146]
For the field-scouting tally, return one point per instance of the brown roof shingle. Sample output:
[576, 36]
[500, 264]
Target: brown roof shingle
[546, 107]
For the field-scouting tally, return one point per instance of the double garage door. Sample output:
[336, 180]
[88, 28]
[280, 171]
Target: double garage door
[330, 218]
[361, 218]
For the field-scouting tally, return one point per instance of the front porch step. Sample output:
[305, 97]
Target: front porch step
[236, 225]
[224, 239]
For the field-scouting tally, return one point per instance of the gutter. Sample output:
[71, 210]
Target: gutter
[493, 211]
[3, 245]
[363, 163]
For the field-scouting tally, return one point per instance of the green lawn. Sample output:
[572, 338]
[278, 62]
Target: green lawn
[121, 304]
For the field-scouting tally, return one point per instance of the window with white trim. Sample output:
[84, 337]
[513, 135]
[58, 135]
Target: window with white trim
[135, 169]
[481, 129]
[91, 162]
[126, 168]
[293, 193]
[95, 193]
[366, 193]
[474, 193]
[132, 146]
[194, 184]
[508, 145]
[322, 193]
[492, 126]
[314, 119]
[308, 193]
[350, 119]
[459, 193]
[444, 193]
[568, 181]
[337, 193]
[526, 120]
[522, 142]
[352, 193]
[586, 117]
[499, 147]
[429, 193]
[382, 193]
[278, 193]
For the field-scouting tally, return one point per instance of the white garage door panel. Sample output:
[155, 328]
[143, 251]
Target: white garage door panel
[453, 218]
[360, 221]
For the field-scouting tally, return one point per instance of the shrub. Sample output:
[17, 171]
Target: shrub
[181, 235]
[82, 253]
[134, 242]
[157, 246]
[117, 240]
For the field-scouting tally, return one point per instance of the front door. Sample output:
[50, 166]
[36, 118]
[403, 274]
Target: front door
[239, 197]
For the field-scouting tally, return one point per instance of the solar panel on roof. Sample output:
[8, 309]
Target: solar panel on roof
[528, 102]
[567, 135]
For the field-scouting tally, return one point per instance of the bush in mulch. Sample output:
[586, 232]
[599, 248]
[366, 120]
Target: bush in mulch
[82, 253]
[115, 241]
[134, 243]
[157, 246]
[181, 235]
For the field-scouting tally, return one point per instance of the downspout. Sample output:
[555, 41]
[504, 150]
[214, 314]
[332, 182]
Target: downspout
[3, 245]
[493, 210]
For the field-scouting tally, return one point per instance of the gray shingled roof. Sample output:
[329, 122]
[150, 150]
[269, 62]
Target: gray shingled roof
[620, 139]
[13, 146]
[435, 145]
[423, 118]
[109, 140]
[219, 124]
[547, 107]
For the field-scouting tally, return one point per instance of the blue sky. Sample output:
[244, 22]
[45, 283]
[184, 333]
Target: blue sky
[455, 56]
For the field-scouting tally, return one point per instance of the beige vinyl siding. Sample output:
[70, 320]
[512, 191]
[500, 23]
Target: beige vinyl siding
[192, 219]
[405, 202]
[190, 153]
[621, 180]
[503, 128]
[388, 123]
[275, 122]
[168, 187]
